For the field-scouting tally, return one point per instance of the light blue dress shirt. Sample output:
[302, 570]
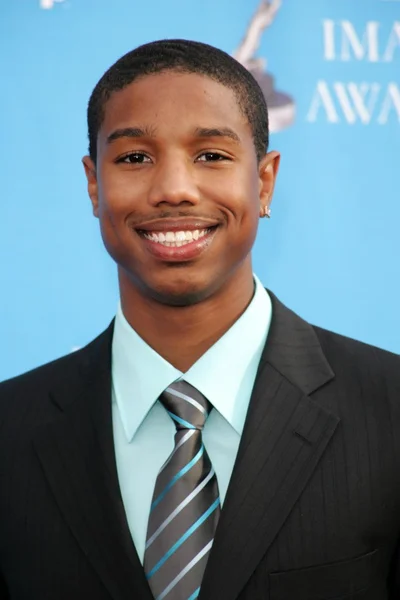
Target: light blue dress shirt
[143, 431]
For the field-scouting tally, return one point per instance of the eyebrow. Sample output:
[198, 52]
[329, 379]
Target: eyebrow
[203, 132]
[130, 132]
[206, 132]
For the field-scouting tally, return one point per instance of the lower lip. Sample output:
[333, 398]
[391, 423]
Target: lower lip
[182, 253]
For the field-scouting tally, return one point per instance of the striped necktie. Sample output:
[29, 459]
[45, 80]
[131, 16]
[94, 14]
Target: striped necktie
[186, 505]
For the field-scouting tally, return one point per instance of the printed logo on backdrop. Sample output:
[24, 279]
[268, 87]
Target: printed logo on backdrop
[281, 107]
[46, 4]
[333, 100]
[351, 100]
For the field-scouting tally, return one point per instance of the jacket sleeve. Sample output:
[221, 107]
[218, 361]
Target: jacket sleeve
[3, 589]
[394, 575]
[392, 378]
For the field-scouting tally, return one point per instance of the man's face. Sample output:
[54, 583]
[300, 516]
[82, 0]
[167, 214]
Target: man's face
[177, 186]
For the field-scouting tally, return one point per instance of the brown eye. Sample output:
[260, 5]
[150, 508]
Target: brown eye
[134, 158]
[212, 157]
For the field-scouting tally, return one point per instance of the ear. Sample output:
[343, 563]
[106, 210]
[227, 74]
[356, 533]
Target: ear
[90, 171]
[268, 171]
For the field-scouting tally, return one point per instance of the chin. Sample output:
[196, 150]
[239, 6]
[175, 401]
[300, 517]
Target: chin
[179, 294]
[178, 297]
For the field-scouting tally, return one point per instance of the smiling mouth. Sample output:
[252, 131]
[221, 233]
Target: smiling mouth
[176, 239]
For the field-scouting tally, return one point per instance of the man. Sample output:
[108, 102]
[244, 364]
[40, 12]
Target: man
[210, 443]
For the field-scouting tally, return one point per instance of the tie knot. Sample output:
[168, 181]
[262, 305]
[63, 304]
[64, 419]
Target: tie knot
[185, 405]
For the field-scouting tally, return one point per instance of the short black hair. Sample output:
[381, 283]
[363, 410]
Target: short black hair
[187, 57]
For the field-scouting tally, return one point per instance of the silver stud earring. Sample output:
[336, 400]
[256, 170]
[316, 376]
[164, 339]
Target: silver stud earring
[267, 212]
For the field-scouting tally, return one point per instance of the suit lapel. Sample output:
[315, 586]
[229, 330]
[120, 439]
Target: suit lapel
[77, 454]
[284, 437]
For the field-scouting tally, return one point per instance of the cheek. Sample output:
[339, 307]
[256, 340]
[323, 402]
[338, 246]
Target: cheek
[113, 208]
[248, 213]
[235, 191]
[115, 187]
[242, 209]
[116, 200]
[246, 203]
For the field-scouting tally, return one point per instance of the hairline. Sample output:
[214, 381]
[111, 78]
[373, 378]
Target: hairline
[182, 69]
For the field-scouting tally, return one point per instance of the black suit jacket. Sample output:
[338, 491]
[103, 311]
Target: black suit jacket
[313, 507]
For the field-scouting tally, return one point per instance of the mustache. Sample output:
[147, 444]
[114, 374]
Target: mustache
[174, 214]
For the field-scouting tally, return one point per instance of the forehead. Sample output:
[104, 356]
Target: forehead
[174, 99]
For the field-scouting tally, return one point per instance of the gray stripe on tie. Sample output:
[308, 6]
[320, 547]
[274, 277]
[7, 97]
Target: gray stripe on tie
[180, 507]
[185, 438]
[188, 399]
[188, 567]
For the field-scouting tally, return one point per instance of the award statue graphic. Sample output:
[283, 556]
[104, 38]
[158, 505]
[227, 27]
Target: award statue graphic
[281, 107]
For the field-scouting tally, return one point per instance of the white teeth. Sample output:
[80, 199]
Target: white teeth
[180, 236]
[175, 238]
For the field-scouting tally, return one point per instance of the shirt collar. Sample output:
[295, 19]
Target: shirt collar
[140, 375]
[224, 373]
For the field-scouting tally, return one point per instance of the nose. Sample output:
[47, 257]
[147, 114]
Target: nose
[174, 183]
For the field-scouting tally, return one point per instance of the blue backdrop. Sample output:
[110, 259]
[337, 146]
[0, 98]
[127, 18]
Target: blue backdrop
[331, 71]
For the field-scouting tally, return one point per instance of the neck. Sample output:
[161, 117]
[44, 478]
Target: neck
[181, 335]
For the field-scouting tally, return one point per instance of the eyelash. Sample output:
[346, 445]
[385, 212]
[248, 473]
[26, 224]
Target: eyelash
[122, 159]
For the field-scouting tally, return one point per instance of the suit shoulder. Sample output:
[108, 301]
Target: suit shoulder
[44, 376]
[342, 352]
[38, 376]
[352, 345]
[25, 400]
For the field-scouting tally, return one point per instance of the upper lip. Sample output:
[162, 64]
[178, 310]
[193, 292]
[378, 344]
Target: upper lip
[182, 224]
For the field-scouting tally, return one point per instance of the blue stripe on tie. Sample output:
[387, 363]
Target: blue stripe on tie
[183, 539]
[186, 424]
[194, 595]
[178, 476]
